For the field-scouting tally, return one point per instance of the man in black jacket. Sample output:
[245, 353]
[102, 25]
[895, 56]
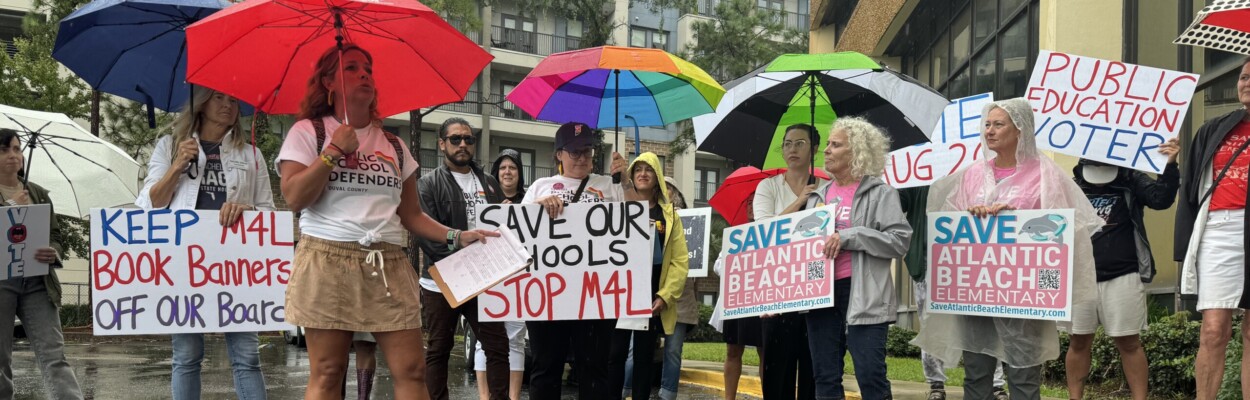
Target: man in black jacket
[1211, 240]
[1123, 263]
[450, 195]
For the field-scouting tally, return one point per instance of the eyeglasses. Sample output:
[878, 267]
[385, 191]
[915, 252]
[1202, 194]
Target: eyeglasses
[455, 140]
[583, 153]
[796, 144]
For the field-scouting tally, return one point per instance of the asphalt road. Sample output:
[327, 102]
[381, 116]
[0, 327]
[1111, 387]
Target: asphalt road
[139, 368]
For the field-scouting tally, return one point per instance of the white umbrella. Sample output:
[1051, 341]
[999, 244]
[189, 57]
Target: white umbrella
[79, 170]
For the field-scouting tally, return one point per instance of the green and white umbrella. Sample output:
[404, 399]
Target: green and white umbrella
[814, 89]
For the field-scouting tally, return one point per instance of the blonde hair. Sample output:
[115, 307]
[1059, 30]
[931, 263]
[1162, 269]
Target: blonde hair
[869, 145]
[187, 122]
[316, 101]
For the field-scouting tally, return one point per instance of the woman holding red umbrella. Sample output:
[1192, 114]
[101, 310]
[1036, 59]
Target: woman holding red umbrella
[356, 189]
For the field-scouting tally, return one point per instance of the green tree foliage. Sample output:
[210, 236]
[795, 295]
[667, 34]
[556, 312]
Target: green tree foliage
[741, 39]
[125, 124]
[596, 16]
[32, 79]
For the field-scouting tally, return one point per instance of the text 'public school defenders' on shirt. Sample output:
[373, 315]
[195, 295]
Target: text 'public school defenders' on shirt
[358, 204]
[599, 189]
[472, 192]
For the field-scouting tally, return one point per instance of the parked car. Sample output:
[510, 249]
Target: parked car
[295, 336]
[18, 331]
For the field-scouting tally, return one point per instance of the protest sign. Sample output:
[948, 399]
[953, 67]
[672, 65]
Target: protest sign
[777, 265]
[1016, 264]
[591, 262]
[26, 230]
[956, 142]
[1108, 111]
[179, 271]
[698, 225]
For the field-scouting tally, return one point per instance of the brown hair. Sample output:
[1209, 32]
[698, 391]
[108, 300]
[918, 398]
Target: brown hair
[316, 103]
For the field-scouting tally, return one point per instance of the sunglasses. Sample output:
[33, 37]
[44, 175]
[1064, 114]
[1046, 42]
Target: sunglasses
[456, 140]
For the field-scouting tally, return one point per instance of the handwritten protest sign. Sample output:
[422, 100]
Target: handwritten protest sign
[1108, 111]
[698, 225]
[591, 262]
[1016, 264]
[180, 271]
[26, 230]
[777, 265]
[956, 142]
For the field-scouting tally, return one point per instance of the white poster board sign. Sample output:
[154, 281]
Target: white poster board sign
[26, 230]
[1108, 111]
[591, 262]
[956, 142]
[179, 271]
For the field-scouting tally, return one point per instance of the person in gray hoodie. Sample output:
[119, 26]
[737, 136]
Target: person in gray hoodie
[871, 230]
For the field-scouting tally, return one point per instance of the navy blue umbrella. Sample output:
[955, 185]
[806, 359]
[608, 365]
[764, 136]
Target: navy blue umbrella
[136, 49]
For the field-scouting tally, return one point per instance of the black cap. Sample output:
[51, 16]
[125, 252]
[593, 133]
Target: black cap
[574, 135]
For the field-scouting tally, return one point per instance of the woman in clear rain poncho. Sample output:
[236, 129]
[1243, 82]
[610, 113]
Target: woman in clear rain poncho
[1012, 175]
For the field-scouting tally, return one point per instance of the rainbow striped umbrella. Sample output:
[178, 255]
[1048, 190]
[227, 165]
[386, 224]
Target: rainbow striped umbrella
[603, 86]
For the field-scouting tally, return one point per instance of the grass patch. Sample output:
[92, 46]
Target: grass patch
[897, 369]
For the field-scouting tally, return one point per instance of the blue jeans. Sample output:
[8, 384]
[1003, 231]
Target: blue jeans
[670, 376]
[27, 298]
[244, 351]
[829, 338]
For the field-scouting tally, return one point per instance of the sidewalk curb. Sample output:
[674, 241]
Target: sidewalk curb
[748, 385]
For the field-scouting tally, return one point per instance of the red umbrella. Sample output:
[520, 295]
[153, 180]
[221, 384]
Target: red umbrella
[263, 51]
[1222, 25]
[731, 199]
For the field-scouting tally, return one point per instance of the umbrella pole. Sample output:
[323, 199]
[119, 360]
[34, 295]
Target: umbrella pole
[30, 156]
[338, 43]
[616, 94]
[811, 95]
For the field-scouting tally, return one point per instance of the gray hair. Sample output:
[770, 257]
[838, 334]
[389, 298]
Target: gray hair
[869, 145]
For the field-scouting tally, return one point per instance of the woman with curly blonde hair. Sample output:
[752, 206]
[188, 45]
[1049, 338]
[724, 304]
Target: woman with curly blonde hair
[870, 232]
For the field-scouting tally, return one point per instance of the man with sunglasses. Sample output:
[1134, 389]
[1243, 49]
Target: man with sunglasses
[450, 195]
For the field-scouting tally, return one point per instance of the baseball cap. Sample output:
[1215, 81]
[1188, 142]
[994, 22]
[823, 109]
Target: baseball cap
[574, 135]
[1098, 173]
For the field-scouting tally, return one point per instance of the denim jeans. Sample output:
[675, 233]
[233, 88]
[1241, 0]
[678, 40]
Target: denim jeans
[979, 381]
[670, 376]
[27, 298]
[829, 338]
[244, 351]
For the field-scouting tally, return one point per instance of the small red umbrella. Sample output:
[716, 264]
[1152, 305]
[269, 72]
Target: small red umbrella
[1222, 25]
[264, 51]
[732, 199]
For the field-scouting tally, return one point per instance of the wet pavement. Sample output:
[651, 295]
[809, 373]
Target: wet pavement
[121, 367]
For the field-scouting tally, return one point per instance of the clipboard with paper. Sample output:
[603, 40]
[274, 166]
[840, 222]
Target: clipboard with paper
[467, 273]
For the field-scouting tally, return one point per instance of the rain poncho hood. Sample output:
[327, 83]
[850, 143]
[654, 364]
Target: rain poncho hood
[1038, 183]
[676, 257]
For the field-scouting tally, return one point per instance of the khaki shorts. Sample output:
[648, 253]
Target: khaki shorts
[1120, 309]
[332, 287]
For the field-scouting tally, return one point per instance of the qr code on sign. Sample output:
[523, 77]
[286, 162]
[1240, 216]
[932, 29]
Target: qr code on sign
[1048, 279]
[816, 270]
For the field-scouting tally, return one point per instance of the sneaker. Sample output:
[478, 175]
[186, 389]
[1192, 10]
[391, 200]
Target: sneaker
[1001, 394]
[937, 391]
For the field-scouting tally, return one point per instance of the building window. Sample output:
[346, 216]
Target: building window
[519, 33]
[10, 28]
[706, 181]
[981, 46]
[646, 37]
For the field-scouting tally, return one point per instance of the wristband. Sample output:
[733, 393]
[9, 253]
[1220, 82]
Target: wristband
[338, 149]
[453, 239]
[327, 160]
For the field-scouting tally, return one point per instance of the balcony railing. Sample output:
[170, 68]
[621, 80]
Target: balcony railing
[471, 104]
[788, 19]
[532, 42]
[474, 35]
[10, 48]
[506, 109]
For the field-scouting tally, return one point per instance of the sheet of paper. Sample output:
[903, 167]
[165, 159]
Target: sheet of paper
[470, 271]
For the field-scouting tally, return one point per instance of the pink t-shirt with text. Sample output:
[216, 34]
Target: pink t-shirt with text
[844, 197]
